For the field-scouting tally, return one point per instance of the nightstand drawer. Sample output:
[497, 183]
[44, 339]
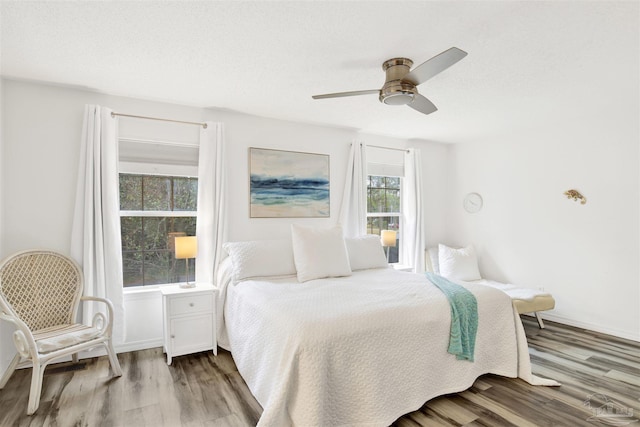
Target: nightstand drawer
[190, 304]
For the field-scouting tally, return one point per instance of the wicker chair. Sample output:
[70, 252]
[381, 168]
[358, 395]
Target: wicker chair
[40, 292]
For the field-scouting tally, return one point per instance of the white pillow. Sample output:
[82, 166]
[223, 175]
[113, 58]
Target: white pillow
[433, 258]
[260, 258]
[366, 252]
[458, 264]
[225, 273]
[319, 252]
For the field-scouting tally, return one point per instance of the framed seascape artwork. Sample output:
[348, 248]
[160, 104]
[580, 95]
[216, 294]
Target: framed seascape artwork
[288, 184]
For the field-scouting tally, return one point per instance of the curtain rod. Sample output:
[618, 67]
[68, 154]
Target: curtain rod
[159, 142]
[204, 125]
[388, 148]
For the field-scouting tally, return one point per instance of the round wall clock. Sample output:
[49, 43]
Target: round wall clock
[472, 202]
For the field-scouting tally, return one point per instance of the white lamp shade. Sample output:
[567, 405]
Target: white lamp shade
[388, 237]
[186, 247]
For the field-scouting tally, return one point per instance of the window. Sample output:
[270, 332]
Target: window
[154, 210]
[383, 208]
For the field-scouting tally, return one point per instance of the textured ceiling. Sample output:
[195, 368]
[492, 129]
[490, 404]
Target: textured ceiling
[528, 62]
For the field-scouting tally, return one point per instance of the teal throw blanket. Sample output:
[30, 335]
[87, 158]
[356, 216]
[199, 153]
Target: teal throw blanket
[464, 317]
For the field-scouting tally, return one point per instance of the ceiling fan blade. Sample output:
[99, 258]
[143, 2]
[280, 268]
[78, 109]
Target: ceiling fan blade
[435, 65]
[422, 105]
[341, 94]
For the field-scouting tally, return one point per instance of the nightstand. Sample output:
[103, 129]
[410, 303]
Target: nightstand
[189, 319]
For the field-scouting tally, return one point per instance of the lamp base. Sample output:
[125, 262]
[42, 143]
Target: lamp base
[187, 284]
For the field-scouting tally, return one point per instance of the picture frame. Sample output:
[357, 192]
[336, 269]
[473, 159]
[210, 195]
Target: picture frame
[288, 184]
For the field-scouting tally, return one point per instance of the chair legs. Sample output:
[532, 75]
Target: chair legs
[7, 374]
[38, 373]
[36, 387]
[113, 359]
[36, 382]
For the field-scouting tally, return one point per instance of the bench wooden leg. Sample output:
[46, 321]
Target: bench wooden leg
[540, 322]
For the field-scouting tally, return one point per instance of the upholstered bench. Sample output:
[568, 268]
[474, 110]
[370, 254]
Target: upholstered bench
[525, 300]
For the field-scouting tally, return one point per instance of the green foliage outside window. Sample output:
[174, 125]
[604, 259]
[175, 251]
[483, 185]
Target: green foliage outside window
[383, 196]
[148, 240]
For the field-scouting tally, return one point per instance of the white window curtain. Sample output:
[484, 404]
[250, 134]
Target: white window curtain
[95, 234]
[210, 223]
[353, 211]
[413, 240]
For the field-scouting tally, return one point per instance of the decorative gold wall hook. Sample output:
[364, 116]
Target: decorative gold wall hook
[575, 195]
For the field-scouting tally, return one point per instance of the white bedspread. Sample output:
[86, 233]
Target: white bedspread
[360, 350]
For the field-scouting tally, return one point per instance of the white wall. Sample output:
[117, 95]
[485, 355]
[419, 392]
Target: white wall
[1, 163]
[41, 146]
[5, 333]
[530, 234]
[436, 189]
[586, 137]
[243, 131]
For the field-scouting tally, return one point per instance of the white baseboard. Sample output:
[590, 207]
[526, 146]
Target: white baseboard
[590, 326]
[139, 345]
[123, 348]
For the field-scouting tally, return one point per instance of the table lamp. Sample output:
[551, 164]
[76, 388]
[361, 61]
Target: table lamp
[186, 247]
[388, 240]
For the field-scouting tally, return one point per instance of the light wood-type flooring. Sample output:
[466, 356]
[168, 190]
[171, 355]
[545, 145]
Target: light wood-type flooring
[596, 371]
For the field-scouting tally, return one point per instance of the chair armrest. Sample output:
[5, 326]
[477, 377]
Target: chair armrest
[99, 317]
[22, 337]
[92, 298]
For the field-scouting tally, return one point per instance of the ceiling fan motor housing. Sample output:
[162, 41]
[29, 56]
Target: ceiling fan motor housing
[396, 91]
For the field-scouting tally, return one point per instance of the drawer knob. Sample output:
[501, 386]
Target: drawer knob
[173, 336]
[191, 304]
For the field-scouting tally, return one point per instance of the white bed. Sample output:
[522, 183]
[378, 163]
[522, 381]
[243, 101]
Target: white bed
[360, 350]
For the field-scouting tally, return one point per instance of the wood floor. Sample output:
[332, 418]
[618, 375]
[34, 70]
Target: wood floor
[203, 390]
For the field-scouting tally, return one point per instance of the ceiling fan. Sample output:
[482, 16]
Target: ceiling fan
[400, 84]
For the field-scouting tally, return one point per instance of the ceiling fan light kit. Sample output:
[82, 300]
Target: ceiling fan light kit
[400, 82]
